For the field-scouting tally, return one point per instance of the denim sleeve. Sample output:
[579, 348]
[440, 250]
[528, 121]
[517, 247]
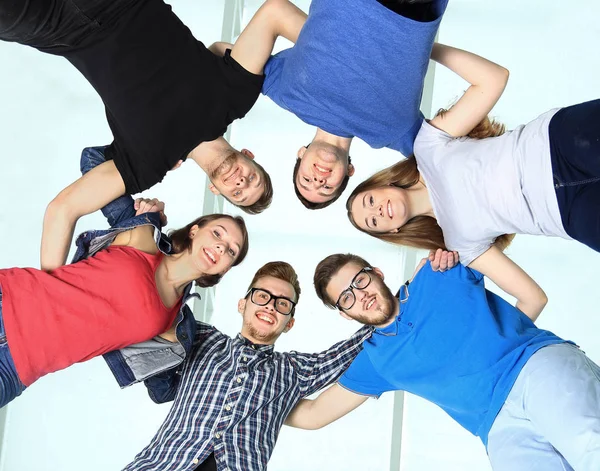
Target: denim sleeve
[163, 386]
[117, 210]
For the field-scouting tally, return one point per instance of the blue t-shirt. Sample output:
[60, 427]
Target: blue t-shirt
[357, 69]
[453, 343]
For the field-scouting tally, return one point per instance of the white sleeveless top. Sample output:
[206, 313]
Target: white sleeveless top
[483, 188]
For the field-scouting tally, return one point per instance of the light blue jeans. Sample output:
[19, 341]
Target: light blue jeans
[551, 418]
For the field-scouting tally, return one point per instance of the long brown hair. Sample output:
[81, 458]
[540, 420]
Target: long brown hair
[422, 232]
[180, 241]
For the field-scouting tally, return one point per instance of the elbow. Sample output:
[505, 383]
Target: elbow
[62, 208]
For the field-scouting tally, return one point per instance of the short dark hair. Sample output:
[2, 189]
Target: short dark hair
[282, 271]
[180, 241]
[328, 268]
[310, 204]
[265, 199]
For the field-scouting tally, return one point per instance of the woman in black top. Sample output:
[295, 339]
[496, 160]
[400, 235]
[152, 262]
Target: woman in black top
[167, 96]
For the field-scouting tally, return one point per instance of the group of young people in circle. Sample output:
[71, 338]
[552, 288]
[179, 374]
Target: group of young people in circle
[466, 188]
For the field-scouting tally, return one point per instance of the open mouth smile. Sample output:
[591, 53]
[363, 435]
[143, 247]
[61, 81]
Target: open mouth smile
[233, 175]
[389, 209]
[210, 256]
[369, 303]
[265, 318]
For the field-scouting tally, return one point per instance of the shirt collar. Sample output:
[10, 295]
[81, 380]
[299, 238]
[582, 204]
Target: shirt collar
[265, 349]
[392, 329]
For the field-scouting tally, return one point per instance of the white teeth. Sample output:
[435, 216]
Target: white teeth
[265, 318]
[210, 255]
[321, 169]
[370, 303]
[389, 208]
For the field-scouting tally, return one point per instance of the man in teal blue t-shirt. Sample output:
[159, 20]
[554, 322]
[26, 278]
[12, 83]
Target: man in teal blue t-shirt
[357, 69]
[532, 397]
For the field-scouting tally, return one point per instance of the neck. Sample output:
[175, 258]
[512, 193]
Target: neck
[247, 335]
[419, 202]
[209, 155]
[177, 271]
[342, 143]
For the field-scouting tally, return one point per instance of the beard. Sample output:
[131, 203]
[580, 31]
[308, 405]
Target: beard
[261, 336]
[385, 310]
[224, 166]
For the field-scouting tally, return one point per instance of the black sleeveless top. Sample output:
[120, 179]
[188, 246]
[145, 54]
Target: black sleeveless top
[163, 90]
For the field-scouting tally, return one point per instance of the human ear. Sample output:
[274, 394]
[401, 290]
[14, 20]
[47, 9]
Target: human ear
[248, 154]
[395, 231]
[289, 325]
[301, 152]
[193, 231]
[379, 272]
[241, 305]
[213, 189]
[350, 171]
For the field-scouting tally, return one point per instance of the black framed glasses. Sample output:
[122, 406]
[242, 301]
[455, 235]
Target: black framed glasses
[262, 297]
[360, 281]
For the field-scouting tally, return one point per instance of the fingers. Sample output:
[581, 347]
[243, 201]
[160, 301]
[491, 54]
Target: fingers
[442, 260]
[147, 205]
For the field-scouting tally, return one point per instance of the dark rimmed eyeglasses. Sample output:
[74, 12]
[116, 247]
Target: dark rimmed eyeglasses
[360, 281]
[262, 297]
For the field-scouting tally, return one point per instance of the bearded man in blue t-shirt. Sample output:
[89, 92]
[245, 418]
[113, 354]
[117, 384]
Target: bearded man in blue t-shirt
[357, 69]
[532, 397]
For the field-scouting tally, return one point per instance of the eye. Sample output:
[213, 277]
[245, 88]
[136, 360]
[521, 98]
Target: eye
[371, 201]
[327, 187]
[345, 298]
[217, 234]
[374, 222]
[306, 179]
[232, 252]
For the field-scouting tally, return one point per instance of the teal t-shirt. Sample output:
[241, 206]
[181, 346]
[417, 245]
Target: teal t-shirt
[357, 69]
[453, 343]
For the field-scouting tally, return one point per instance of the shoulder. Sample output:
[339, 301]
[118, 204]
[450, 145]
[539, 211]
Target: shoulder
[428, 134]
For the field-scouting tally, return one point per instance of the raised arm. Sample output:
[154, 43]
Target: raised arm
[332, 404]
[531, 299]
[487, 80]
[121, 208]
[274, 18]
[95, 189]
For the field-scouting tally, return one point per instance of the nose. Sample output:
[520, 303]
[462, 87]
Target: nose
[318, 182]
[241, 182]
[380, 210]
[271, 304]
[220, 248]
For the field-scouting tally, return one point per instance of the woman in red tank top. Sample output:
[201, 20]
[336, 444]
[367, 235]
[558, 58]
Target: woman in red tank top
[124, 294]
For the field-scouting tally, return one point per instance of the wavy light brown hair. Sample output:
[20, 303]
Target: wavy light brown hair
[421, 232]
[282, 271]
[180, 241]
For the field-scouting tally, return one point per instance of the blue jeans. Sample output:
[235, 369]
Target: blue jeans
[550, 421]
[10, 384]
[575, 155]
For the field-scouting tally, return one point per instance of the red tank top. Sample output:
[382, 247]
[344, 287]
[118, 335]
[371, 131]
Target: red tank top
[80, 311]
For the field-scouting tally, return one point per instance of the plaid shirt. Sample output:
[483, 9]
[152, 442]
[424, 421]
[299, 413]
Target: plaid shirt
[233, 398]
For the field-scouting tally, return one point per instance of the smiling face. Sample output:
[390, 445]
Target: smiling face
[375, 304]
[263, 324]
[238, 179]
[216, 246]
[383, 209]
[322, 169]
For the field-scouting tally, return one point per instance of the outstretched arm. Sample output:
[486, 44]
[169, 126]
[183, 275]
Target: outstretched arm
[335, 402]
[510, 277]
[487, 80]
[274, 18]
[89, 193]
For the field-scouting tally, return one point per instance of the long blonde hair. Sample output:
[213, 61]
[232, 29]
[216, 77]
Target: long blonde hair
[422, 232]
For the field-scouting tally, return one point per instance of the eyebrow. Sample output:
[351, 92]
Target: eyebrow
[364, 201]
[225, 230]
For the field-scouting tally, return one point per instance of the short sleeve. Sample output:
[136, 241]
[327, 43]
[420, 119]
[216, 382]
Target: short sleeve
[428, 138]
[463, 273]
[361, 377]
[469, 254]
[273, 69]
